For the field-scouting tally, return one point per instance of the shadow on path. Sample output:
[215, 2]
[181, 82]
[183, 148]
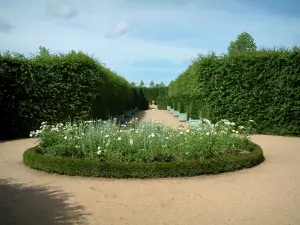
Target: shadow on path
[141, 114]
[21, 204]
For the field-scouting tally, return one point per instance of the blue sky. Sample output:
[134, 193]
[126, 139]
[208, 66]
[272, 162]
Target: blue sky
[145, 39]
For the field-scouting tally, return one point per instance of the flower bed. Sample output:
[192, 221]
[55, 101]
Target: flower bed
[106, 149]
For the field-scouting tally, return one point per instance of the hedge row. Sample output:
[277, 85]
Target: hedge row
[158, 94]
[263, 86]
[95, 168]
[58, 87]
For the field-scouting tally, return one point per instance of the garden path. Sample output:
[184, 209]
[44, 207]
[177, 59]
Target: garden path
[266, 194]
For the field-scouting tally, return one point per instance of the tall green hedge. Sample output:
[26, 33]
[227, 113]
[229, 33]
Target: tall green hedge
[56, 88]
[142, 101]
[158, 94]
[263, 86]
[162, 99]
[153, 93]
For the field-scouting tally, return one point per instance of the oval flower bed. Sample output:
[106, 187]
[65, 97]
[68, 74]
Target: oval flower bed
[141, 150]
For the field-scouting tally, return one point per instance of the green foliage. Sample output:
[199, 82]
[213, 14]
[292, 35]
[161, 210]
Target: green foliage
[142, 84]
[143, 103]
[176, 105]
[56, 88]
[193, 110]
[95, 168]
[152, 84]
[244, 43]
[162, 99]
[263, 86]
[141, 142]
[157, 94]
[97, 148]
[181, 107]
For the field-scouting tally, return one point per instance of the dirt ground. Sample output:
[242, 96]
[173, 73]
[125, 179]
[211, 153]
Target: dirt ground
[268, 194]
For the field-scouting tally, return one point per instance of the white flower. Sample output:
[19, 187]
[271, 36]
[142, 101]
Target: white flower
[236, 132]
[31, 134]
[232, 124]
[167, 138]
[99, 152]
[152, 135]
[99, 147]
[131, 141]
[65, 137]
[82, 134]
[119, 138]
[76, 146]
[107, 136]
[227, 123]
[180, 132]
[251, 121]
[241, 127]
[207, 133]
[187, 130]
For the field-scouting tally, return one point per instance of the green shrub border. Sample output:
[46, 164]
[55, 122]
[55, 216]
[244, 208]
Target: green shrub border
[94, 168]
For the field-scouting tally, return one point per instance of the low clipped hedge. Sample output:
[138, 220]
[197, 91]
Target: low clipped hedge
[95, 168]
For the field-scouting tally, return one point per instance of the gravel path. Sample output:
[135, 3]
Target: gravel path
[266, 194]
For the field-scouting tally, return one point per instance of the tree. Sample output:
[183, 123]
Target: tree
[142, 84]
[133, 84]
[243, 43]
[44, 52]
[152, 83]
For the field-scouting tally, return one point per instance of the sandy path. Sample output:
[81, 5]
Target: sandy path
[266, 194]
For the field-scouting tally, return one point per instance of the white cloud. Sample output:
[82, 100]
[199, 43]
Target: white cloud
[64, 10]
[120, 29]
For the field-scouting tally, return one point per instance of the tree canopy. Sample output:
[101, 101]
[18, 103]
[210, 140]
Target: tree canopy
[243, 43]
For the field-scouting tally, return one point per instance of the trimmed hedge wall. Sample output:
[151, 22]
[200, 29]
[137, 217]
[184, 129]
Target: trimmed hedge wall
[94, 168]
[56, 88]
[263, 86]
[142, 101]
[158, 94]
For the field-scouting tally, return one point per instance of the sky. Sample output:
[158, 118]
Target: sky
[145, 39]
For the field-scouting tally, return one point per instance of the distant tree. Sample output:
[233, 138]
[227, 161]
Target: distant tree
[152, 83]
[296, 48]
[133, 84]
[142, 84]
[44, 52]
[162, 84]
[243, 43]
